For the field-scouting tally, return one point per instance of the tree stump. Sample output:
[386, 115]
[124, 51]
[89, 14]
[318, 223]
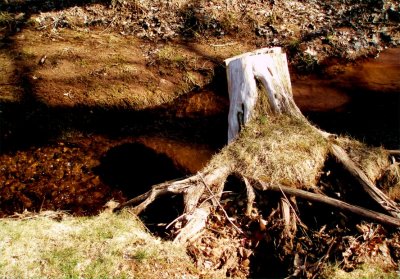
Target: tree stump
[271, 147]
[269, 66]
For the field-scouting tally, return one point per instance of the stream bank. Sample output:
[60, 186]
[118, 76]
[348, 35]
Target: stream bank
[78, 159]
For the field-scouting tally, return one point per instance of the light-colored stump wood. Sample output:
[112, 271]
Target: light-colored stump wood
[269, 66]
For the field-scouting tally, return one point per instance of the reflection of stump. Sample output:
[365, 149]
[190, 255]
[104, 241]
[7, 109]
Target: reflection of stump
[276, 147]
[133, 168]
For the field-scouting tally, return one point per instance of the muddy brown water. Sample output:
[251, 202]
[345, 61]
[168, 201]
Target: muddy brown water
[360, 99]
[78, 159]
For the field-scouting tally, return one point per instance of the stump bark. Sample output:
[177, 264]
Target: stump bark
[247, 73]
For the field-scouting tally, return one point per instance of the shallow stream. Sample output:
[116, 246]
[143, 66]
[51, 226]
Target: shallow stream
[77, 159]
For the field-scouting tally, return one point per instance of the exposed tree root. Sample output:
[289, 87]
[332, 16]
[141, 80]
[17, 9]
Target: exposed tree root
[394, 152]
[202, 192]
[384, 201]
[251, 196]
[199, 198]
[197, 201]
[340, 205]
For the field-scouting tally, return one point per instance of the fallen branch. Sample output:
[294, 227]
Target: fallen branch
[374, 192]
[370, 214]
[394, 152]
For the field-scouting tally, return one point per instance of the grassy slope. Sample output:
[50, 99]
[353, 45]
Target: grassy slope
[104, 246]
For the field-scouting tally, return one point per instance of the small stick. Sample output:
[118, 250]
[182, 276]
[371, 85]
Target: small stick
[176, 220]
[219, 204]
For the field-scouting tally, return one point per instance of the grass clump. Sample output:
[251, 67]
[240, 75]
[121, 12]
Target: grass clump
[6, 19]
[170, 55]
[103, 246]
[365, 271]
[262, 151]
[287, 150]
[372, 160]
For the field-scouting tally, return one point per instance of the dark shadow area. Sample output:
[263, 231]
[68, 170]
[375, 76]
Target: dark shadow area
[234, 185]
[161, 213]
[371, 117]
[31, 123]
[265, 262]
[36, 6]
[336, 182]
[219, 83]
[134, 168]
[268, 259]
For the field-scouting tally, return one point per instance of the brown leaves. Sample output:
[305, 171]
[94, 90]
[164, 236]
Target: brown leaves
[307, 254]
[58, 176]
[372, 245]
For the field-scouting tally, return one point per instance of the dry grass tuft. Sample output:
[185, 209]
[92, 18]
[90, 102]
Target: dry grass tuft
[172, 56]
[105, 246]
[369, 270]
[6, 19]
[280, 150]
[390, 182]
[285, 150]
[372, 160]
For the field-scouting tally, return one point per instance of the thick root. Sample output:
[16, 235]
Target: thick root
[196, 222]
[140, 203]
[251, 196]
[374, 192]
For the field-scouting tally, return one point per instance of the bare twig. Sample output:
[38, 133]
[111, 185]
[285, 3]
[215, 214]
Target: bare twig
[176, 220]
[325, 257]
[220, 206]
[224, 45]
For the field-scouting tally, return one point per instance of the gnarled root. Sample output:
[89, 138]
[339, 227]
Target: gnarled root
[197, 202]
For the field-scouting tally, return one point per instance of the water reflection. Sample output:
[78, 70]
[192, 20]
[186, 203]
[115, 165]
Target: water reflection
[134, 168]
[82, 173]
